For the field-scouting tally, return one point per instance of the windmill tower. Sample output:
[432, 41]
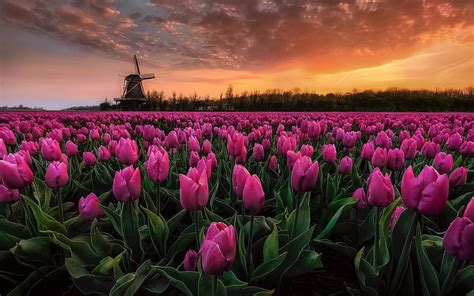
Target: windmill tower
[133, 94]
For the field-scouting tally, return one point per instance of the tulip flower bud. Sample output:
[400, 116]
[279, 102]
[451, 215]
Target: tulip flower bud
[253, 195]
[345, 166]
[89, 158]
[258, 152]
[454, 142]
[458, 177]
[395, 215]
[430, 149]
[427, 193]
[291, 158]
[193, 190]
[89, 207]
[380, 158]
[284, 144]
[218, 249]
[148, 132]
[193, 144]
[396, 159]
[329, 153]
[409, 148]
[50, 149]
[191, 260]
[239, 177]
[380, 191]
[158, 165]
[56, 175]
[15, 172]
[307, 150]
[367, 151]
[127, 151]
[206, 147]
[3, 149]
[71, 148]
[273, 164]
[469, 211]
[359, 194]
[8, 195]
[459, 239]
[467, 148]
[304, 175]
[104, 154]
[127, 184]
[444, 162]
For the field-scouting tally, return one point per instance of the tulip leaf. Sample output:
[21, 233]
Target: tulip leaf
[428, 276]
[308, 261]
[335, 218]
[464, 280]
[366, 274]
[15, 229]
[130, 227]
[185, 281]
[44, 221]
[130, 283]
[271, 246]
[268, 266]
[158, 230]
[114, 218]
[339, 247]
[86, 282]
[98, 241]
[173, 222]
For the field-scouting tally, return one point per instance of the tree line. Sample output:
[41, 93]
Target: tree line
[393, 99]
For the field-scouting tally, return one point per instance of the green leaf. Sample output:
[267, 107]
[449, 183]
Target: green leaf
[44, 221]
[271, 246]
[130, 227]
[86, 282]
[428, 277]
[308, 261]
[78, 247]
[174, 221]
[36, 249]
[129, 284]
[14, 229]
[185, 281]
[464, 280]
[98, 241]
[158, 230]
[368, 278]
[339, 214]
[265, 268]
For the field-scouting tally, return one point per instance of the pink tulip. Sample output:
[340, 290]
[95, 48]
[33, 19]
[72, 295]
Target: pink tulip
[127, 184]
[258, 152]
[444, 162]
[71, 148]
[430, 149]
[284, 144]
[191, 260]
[89, 158]
[359, 194]
[205, 165]
[345, 166]
[236, 144]
[193, 144]
[291, 158]
[127, 151]
[383, 140]
[307, 150]
[329, 153]
[218, 249]
[148, 132]
[112, 146]
[253, 195]
[458, 177]
[467, 148]
[314, 130]
[380, 158]
[104, 154]
[239, 177]
[459, 239]
[469, 211]
[158, 165]
[15, 172]
[8, 137]
[89, 207]
[56, 175]
[454, 142]
[193, 190]
[3, 149]
[304, 175]
[206, 147]
[396, 159]
[427, 193]
[8, 195]
[273, 164]
[367, 151]
[380, 191]
[409, 148]
[50, 149]
[395, 215]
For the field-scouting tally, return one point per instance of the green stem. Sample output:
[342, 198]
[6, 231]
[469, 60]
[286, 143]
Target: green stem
[10, 209]
[449, 278]
[214, 285]
[60, 207]
[298, 196]
[401, 267]
[249, 251]
[158, 196]
[376, 236]
[242, 208]
[195, 217]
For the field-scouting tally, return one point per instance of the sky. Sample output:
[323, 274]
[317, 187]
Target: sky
[57, 54]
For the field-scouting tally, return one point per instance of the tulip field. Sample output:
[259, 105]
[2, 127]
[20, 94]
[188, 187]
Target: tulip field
[169, 203]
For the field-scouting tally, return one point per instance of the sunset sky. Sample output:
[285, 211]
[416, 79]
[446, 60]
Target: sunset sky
[57, 54]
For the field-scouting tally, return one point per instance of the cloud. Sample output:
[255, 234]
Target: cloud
[259, 35]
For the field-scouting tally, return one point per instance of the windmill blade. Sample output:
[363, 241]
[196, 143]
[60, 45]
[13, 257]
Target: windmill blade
[148, 76]
[137, 68]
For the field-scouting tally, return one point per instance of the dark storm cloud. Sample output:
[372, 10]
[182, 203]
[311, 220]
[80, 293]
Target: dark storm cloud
[247, 34]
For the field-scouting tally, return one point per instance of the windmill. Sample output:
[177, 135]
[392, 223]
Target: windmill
[133, 94]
